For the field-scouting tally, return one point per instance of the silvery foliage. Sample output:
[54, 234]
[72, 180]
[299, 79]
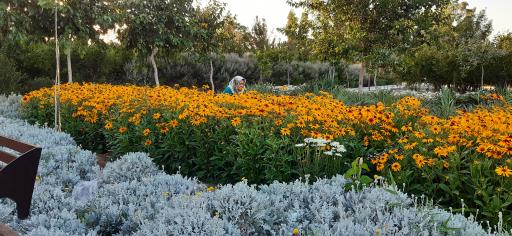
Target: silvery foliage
[122, 171]
[10, 105]
[135, 198]
[62, 165]
[133, 191]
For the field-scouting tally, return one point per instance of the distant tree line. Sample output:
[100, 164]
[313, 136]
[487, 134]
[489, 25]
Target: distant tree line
[440, 42]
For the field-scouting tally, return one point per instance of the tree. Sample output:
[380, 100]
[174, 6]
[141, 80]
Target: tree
[502, 69]
[297, 32]
[455, 51]
[260, 37]
[291, 32]
[303, 31]
[30, 20]
[359, 28]
[156, 24]
[210, 20]
[474, 47]
[233, 37]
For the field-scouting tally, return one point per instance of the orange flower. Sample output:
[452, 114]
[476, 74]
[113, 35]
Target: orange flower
[174, 123]
[503, 171]
[285, 132]
[164, 130]
[395, 166]
[156, 116]
[148, 142]
[108, 125]
[122, 130]
[380, 167]
[236, 121]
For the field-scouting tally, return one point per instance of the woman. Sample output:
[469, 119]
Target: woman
[235, 86]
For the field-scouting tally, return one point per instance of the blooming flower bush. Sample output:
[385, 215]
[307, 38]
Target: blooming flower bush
[222, 138]
[149, 202]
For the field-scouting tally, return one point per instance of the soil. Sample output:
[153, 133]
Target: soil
[6, 231]
[101, 160]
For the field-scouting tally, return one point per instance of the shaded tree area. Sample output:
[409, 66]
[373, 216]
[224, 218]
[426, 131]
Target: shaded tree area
[440, 42]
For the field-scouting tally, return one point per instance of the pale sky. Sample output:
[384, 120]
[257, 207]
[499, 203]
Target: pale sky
[276, 12]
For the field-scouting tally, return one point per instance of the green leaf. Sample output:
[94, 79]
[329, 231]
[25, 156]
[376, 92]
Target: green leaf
[445, 188]
[365, 180]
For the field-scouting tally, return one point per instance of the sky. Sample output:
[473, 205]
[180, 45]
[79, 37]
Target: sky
[276, 12]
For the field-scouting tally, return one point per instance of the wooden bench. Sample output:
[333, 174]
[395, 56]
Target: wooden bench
[18, 177]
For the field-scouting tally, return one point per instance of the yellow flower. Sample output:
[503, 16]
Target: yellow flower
[285, 132]
[211, 189]
[156, 116]
[108, 125]
[174, 123]
[435, 129]
[314, 126]
[503, 171]
[296, 231]
[395, 166]
[420, 162]
[380, 167]
[236, 121]
[146, 132]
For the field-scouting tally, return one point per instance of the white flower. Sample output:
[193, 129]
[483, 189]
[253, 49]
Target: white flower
[329, 153]
[308, 140]
[341, 149]
[335, 144]
[300, 145]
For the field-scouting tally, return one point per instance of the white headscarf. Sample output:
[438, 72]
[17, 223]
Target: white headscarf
[233, 84]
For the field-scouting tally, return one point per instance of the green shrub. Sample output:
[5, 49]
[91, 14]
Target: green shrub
[10, 77]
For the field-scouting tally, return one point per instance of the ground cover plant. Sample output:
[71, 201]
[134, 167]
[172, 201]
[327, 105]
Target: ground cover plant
[133, 197]
[264, 137]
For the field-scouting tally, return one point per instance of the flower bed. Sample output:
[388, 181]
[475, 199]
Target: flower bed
[221, 138]
[135, 198]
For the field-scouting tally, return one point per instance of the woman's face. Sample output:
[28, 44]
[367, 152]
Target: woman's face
[241, 86]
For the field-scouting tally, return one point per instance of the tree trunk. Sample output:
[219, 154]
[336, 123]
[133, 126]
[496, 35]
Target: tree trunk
[362, 72]
[153, 63]
[211, 76]
[288, 74]
[57, 121]
[482, 79]
[348, 79]
[70, 70]
[375, 79]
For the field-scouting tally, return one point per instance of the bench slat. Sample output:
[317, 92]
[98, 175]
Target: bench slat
[6, 157]
[15, 145]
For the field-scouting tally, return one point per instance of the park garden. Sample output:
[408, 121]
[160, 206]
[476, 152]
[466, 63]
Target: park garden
[399, 123]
